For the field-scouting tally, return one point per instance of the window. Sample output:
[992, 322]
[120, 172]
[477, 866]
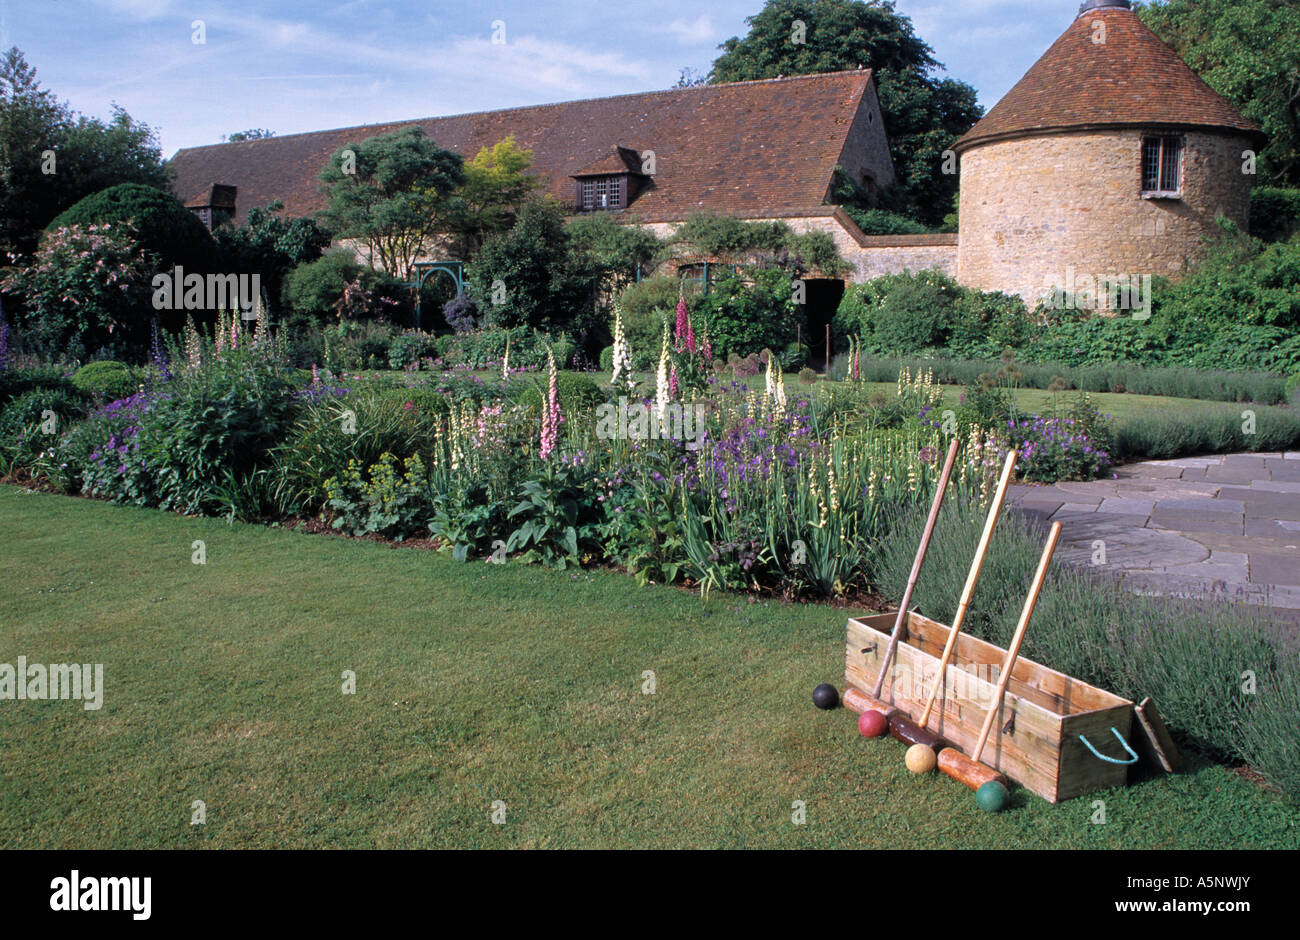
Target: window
[601, 192]
[1162, 165]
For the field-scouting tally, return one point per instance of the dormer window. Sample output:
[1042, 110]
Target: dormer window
[603, 192]
[1162, 167]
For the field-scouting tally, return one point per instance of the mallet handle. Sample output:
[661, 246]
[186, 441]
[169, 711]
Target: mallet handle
[971, 580]
[1013, 653]
[901, 623]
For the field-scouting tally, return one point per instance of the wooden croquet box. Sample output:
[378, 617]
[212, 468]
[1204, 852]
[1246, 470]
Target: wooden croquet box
[1036, 737]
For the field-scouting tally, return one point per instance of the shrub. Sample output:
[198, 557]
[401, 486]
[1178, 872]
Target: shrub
[1162, 435]
[353, 344]
[917, 314]
[1269, 740]
[987, 323]
[208, 438]
[106, 380]
[163, 226]
[410, 347]
[312, 289]
[884, 222]
[14, 382]
[647, 306]
[1274, 213]
[85, 290]
[24, 432]
[314, 448]
[461, 313]
[748, 313]
[577, 393]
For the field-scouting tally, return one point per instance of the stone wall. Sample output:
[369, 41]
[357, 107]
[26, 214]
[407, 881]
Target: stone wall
[1044, 211]
[870, 255]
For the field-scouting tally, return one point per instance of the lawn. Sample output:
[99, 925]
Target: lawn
[474, 683]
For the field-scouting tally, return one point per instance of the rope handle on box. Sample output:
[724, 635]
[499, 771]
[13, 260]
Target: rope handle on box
[1111, 760]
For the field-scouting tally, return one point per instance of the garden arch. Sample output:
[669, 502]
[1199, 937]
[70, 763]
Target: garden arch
[427, 269]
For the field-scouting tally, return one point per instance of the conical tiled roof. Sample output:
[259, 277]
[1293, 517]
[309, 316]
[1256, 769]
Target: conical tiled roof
[1107, 70]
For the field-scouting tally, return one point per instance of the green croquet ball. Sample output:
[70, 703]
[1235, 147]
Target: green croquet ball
[991, 797]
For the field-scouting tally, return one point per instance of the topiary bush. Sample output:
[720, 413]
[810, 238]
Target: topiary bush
[164, 227]
[106, 380]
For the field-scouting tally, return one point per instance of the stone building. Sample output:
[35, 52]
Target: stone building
[1109, 159]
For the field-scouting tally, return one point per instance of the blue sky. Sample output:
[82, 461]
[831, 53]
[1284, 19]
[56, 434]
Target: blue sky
[297, 66]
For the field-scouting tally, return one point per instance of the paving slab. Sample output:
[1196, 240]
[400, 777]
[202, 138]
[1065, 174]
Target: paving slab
[1149, 471]
[1183, 521]
[1274, 569]
[1205, 504]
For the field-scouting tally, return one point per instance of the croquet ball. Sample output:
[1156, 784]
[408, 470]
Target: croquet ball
[825, 696]
[991, 797]
[920, 759]
[872, 723]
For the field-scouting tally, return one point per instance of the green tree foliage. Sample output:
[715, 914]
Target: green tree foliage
[749, 312]
[270, 245]
[253, 133]
[388, 192]
[1274, 213]
[737, 241]
[163, 226]
[618, 250]
[924, 115]
[51, 157]
[528, 276]
[486, 203]
[1249, 52]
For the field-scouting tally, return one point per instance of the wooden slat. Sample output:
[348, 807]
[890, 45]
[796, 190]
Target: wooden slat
[1153, 740]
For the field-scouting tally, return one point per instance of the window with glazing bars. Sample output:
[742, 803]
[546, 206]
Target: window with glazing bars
[601, 192]
[1162, 159]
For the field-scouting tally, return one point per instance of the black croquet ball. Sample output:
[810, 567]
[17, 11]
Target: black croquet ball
[825, 696]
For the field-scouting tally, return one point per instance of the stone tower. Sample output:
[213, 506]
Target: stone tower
[1110, 158]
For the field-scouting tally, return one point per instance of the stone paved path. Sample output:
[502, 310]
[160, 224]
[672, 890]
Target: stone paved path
[1193, 527]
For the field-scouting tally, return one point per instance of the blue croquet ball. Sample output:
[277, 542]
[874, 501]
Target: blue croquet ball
[991, 797]
[825, 696]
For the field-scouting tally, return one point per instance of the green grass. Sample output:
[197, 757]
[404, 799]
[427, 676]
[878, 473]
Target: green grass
[475, 683]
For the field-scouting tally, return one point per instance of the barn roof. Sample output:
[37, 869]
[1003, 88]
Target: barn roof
[1108, 69]
[759, 148]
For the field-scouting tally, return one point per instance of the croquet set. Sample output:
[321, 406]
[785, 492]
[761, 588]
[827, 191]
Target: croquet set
[981, 714]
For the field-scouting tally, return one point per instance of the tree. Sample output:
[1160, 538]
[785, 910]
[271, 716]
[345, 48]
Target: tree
[51, 157]
[618, 250]
[253, 133]
[164, 227]
[529, 276]
[387, 192]
[1249, 52]
[486, 203]
[271, 245]
[924, 115]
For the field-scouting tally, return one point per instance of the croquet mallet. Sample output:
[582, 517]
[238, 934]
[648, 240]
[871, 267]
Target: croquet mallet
[969, 770]
[900, 624]
[915, 732]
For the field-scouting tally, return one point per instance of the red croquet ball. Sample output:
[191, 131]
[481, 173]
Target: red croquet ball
[872, 723]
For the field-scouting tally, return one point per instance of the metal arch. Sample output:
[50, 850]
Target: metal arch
[427, 269]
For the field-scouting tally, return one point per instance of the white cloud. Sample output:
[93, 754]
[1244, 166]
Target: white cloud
[693, 32]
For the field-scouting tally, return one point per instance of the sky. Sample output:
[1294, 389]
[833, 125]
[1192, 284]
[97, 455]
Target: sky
[297, 66]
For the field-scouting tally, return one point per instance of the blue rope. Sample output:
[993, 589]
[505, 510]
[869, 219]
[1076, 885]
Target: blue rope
[1111, 760]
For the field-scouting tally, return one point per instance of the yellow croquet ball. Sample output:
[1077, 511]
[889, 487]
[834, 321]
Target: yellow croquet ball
[920, 759]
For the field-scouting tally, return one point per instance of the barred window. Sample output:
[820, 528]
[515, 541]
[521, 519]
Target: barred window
[1162, 161]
